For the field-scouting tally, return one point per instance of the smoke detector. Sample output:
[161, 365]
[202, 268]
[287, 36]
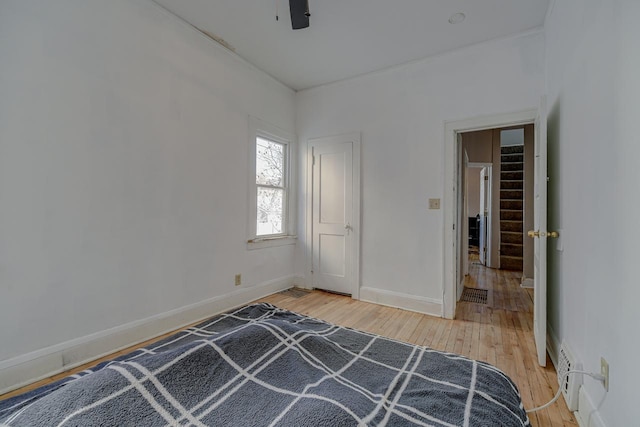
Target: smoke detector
[457, 18]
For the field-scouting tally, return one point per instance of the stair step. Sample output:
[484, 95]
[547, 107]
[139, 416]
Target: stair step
[514, 166]
[511, 237]
[511, 185]
[510, 263]
[515, 226]
[510, 215]
[513, 205]
[512, 149]
[511, 176]
[519, 158]
[511, 194]
[509, 249]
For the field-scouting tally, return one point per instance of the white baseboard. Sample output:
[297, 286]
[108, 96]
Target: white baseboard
[424, 305]
[28, 368]
[587, 414]
[526, 282]
[553, 345]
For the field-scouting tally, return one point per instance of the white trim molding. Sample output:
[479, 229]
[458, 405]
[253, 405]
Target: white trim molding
[260, 128]
[28, 368]
[553, 345]
[527, 283]
[587, 414]
[430, 306]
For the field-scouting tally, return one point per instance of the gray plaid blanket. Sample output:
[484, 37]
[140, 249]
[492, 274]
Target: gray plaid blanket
[263, 366]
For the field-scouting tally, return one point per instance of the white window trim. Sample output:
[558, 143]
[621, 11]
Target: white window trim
[259, 128]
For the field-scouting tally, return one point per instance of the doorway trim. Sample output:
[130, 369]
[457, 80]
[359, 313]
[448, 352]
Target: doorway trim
[477, 165]
[451, 227]
[354, 138]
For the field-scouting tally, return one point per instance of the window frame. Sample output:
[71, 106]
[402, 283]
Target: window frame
[261, 129]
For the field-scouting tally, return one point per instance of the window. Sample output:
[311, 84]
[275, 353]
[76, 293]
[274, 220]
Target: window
[271, 191]
[270, 219]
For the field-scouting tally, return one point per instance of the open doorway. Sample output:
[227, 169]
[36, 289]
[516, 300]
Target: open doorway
[453, 228]
[497, 162]
[456, 223]
[495, 173]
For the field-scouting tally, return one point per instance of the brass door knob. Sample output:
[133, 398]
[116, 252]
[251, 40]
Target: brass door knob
[532, 234]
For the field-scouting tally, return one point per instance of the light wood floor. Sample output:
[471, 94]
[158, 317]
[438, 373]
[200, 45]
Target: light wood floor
[499, 332]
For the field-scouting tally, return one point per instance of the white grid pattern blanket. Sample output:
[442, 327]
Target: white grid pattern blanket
[263, 366]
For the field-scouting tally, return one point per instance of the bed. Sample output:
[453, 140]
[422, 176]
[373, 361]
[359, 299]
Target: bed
[260, 365]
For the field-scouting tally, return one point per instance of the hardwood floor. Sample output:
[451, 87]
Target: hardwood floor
[499, 332]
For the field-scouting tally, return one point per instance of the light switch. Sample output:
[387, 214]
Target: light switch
[434, 203]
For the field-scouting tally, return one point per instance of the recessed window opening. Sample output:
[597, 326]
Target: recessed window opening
[271, 183]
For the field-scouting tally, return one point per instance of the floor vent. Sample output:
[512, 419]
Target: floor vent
[570, 385]
[478, 296]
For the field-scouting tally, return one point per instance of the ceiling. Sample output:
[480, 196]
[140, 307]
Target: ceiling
[347, 38]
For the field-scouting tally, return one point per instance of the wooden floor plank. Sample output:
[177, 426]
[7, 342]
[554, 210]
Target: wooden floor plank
[499, 332]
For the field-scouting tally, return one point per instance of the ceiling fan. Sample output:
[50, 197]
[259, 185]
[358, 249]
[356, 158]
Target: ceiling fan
[299, 13]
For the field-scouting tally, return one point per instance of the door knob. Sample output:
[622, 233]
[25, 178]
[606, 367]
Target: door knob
[348, 227]
[532, 234]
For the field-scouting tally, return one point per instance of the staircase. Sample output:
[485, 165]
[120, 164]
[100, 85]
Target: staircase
[511, 197]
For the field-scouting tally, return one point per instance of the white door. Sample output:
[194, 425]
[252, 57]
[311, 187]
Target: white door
[540, 235]
[485, 215]
[334, 215]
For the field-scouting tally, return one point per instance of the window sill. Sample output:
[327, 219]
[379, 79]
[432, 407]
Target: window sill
[271, 242]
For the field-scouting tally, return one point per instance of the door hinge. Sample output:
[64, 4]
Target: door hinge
[486, 178]
[454, 226]
[313, 160]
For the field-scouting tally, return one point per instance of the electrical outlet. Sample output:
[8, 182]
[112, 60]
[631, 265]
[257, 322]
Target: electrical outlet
[238, 279]
[604, 371]
[434, 203]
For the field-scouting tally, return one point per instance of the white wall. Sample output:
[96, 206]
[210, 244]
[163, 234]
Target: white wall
[401, 114]
[593, 64]
[123, 168]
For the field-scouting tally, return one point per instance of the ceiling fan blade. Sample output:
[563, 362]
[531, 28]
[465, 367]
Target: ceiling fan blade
[299, 13]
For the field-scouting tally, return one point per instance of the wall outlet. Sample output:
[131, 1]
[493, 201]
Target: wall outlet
[434, 203]
[238, 279]
[604, 371]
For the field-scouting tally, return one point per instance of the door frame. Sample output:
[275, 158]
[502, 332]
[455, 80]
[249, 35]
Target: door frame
[354, 138]
[489, 167]
[451, 228]
[464, 243]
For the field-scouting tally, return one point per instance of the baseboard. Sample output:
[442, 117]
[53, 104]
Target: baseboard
[526, 283]
[423, 305]
[587, 414]
[31, 367]
[553, 345]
